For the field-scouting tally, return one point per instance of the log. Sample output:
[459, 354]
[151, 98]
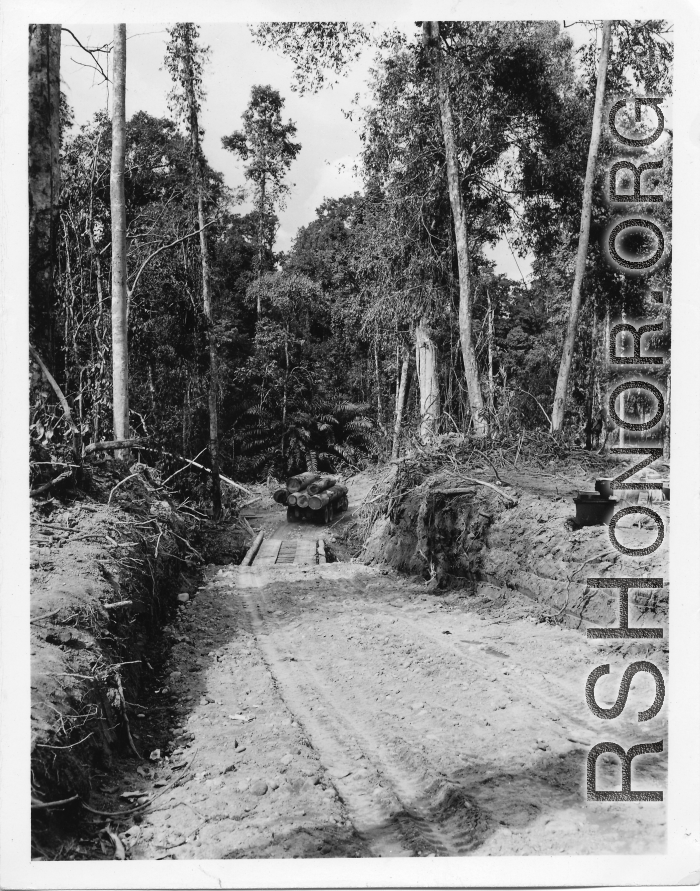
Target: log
[190, 462]
[291, 499]
[316, 502]
[301, 481]
[326, 482]
[224, 479]
[302, 499]
[280, 495]
[253, 549]
[113, 445]
[44, 487]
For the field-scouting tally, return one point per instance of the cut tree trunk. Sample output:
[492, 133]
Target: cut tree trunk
[280, 495]
[301, 481]
[400, 403]
[321, 485]
[120, 349]
[44, 179]
[316, 502]
[431, 38]
[584, 234]
[428, 384]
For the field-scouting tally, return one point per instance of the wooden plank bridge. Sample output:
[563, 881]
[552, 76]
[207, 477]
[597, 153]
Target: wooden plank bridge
[274, 551]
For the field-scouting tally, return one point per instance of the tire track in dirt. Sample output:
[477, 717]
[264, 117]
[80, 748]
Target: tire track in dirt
[373, 820]
[430, 815]
[353, 647]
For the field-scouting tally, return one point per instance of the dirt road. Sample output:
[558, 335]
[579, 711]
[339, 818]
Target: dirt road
[340, 710]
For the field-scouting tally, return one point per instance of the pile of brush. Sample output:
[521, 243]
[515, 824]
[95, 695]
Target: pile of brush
[312, 496]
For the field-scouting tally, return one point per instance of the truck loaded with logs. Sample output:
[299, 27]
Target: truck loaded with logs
[312, 496]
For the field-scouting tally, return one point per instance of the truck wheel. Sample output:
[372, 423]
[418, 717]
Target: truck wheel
[327, 513]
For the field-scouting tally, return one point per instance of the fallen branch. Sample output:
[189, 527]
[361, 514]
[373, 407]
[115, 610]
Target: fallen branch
[71, 746]
[493, 466]
[144, 804]
[517, 454]
[246, 525]
[114, 488]
[223, 478]
[118, 604]
[125, 716]
[503, 495]
[126, 813]
[67, 474]
[188, 545]
[165, 482]
[45, 616]
[42, 805]
[112, 446]
[77, 438]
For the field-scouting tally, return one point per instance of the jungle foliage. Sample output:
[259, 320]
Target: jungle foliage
[313, 345]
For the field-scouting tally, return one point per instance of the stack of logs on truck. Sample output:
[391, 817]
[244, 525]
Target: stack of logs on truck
[312, 496]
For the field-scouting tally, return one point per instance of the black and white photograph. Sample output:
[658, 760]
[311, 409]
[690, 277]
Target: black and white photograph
[337, 402]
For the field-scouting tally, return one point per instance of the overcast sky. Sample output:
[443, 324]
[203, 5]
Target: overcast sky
[329, 141]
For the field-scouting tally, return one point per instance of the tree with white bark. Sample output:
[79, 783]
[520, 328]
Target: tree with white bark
[584, 233]
[120, 295]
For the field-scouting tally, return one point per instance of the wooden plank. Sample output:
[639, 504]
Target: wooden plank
[268, 552]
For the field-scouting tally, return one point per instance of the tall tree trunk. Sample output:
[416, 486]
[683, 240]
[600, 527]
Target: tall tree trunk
[151, 389]
[590, 396]
[120, 349]
[400, 403]
[584, 233]
[378, 378]
[428, 383]
[608, 424]
[261, 210]
[431, 39]
[207, 296]
[44, 179]
[186, 417]
[284, 391]
[489, 310]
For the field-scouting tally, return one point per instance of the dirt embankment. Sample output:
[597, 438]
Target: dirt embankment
[108, 562]
[525, 540]
[348, 710]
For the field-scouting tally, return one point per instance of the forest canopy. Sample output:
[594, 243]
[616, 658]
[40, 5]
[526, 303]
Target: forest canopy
[387, 322]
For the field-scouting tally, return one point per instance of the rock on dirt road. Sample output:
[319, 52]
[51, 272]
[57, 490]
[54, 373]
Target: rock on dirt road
[339, 710]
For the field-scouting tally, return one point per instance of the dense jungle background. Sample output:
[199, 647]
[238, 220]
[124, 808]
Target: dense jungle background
[385, 323]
